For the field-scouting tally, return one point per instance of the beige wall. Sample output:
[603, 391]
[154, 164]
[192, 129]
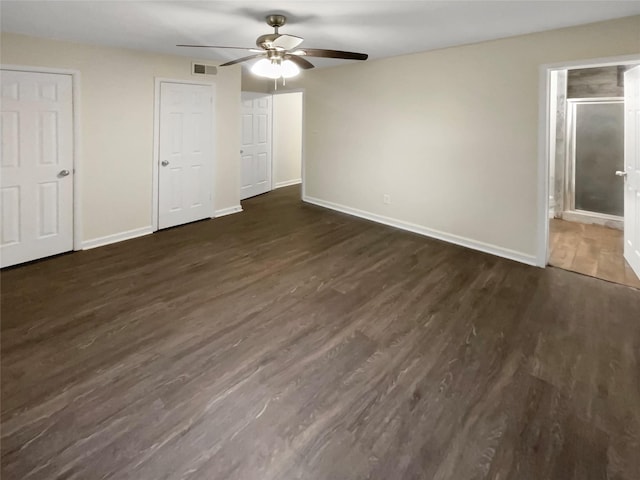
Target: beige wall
[451, 135]
[117, 108]
[287, 138]
[253, 83]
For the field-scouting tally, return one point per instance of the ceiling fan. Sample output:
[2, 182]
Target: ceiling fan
[279, 55]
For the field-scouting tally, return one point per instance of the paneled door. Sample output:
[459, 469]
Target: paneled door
[255, 151]
[185, 174]
[632, 169]
[36, 163]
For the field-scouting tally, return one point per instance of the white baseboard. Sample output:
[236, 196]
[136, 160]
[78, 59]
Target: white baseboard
[610, 221]
[419, 229]
[116, 237]
[552, 207]
[287, 183]
[227, 211]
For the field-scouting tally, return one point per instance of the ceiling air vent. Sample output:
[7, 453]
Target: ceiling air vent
[202, 69]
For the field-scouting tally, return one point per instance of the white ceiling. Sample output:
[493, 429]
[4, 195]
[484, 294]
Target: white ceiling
[379, 28]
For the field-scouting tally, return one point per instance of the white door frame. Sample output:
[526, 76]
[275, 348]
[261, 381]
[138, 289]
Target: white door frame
[544, 115]
[155, 192]
[77, 144]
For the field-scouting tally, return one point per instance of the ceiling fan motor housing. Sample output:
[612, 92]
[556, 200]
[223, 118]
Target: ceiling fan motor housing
[266, 41]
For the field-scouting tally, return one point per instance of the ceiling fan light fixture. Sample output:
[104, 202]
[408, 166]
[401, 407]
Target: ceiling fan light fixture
[289, 69]
[275, 68]
[266, 68]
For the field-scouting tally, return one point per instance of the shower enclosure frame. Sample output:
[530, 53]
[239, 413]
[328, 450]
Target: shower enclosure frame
[570, 212]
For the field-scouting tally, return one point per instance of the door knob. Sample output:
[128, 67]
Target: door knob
[620, 173]
[63, 173]
[165, 163]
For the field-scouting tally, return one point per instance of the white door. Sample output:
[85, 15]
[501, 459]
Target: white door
[632, 169]
[255, 151]
[36, 162]
[185, 177]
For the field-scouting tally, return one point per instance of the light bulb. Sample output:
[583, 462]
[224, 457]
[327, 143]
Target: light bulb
[265, 68]
[289, 69]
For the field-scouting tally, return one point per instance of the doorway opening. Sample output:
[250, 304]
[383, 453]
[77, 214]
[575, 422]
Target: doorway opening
[591, 217]
[287, 138]
[271, 149]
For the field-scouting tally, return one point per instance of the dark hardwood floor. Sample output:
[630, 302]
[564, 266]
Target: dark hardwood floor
[292, 342]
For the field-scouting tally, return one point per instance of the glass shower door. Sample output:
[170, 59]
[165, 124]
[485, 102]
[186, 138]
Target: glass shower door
[598, 151]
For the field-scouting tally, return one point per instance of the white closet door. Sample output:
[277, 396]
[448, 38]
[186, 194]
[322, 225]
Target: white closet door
[36, 161]
[186, 154]
[255, 151]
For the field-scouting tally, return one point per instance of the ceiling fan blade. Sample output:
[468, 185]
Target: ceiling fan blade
[287, 42]
[301, 62]
[319, 52]
[243, 59]
[252, 49]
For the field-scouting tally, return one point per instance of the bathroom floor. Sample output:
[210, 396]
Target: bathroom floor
[591, 250]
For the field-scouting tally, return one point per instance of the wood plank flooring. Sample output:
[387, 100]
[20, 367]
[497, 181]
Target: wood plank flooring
[591, 250]
[292, 342]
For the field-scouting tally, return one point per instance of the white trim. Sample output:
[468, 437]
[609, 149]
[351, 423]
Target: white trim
[594, 62]
[544, 120]
[544, 73]
[590, 218]
[77, 170]
[156, 143]
[227, 211]
[287, 183]
[116, 237]
[303, 152]
[596, 100]
[77, 143]
[427, 232]
[553, 110]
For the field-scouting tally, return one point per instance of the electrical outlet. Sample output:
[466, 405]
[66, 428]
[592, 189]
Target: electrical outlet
[386, 199]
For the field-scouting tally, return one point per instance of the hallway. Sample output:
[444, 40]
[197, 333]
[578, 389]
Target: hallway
[590, 250]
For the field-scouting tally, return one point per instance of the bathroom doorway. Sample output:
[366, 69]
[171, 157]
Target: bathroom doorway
[587, 169]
